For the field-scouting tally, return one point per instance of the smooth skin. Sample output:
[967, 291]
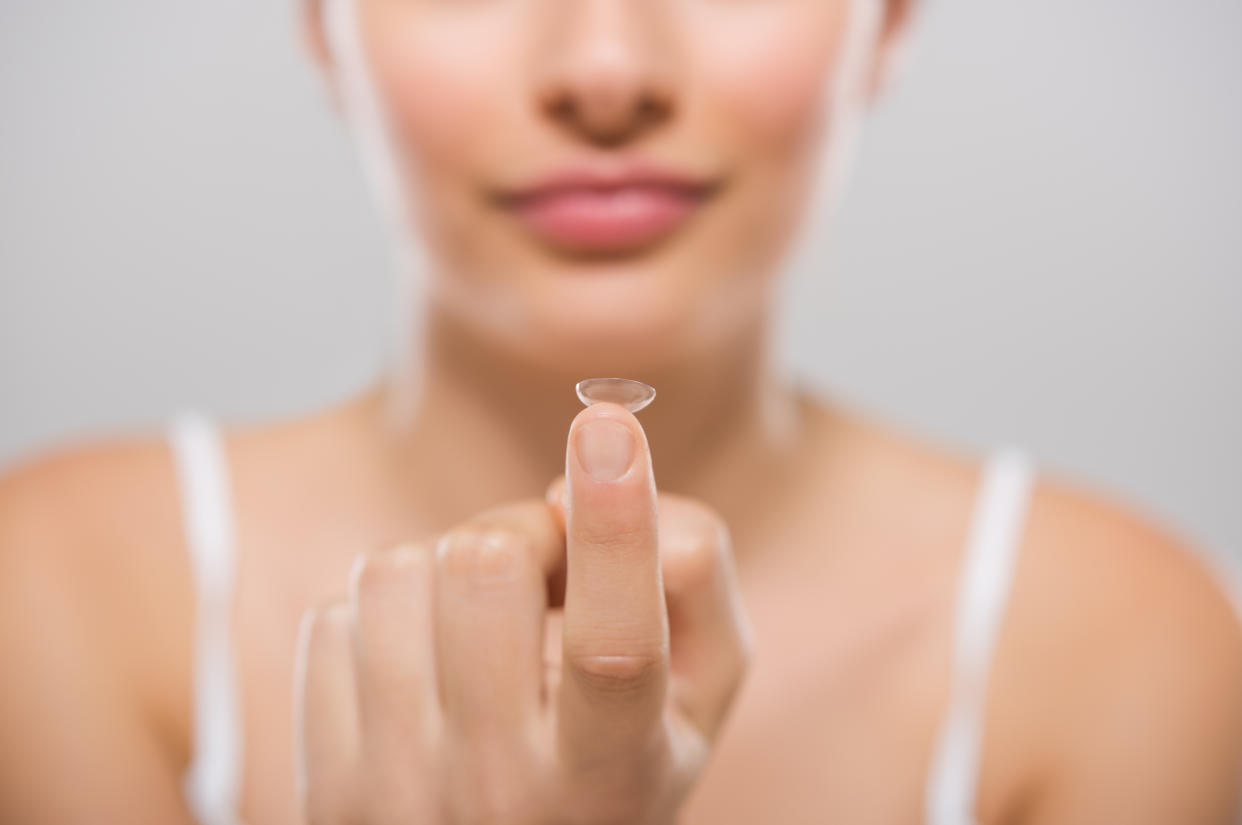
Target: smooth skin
[426, 697]
[805, 554]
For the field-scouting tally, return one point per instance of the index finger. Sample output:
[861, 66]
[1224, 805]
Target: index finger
[711, 640]
[615, 626]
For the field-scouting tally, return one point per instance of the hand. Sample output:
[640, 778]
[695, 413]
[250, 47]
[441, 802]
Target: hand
[425, 698]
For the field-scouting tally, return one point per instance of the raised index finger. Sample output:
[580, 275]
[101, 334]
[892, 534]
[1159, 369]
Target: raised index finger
[615, 632]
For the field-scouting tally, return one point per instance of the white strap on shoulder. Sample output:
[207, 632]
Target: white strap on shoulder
[983, 591]
[211, 782]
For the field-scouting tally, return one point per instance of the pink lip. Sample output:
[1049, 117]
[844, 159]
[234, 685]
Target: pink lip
[596, 210]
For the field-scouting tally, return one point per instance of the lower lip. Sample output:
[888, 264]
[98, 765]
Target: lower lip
[584, 220]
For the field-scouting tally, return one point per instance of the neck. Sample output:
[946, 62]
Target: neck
[479, 425]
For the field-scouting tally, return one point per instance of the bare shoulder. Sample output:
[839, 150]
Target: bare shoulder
[93, 545]
[99, 526]
[1115, 691]
[1091, 565]
[87, 506]
[97, 612]
[95, 616]
[91, 548]
[91, 516]
[1120, 665]
[1129, 590]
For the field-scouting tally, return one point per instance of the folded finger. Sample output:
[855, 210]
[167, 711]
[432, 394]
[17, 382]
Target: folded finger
[710, 636]
[490, 601]
[391, 598]
[325, 712]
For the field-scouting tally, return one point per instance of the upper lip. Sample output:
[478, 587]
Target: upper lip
[606, 177]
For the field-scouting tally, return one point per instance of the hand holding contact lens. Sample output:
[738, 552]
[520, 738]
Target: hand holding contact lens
[631, 394]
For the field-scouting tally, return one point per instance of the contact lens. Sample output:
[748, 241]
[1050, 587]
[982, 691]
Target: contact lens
[631, 394]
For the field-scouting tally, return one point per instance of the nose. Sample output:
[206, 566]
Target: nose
[608, 74]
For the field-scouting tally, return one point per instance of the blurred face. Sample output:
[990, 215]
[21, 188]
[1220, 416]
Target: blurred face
[607, 182]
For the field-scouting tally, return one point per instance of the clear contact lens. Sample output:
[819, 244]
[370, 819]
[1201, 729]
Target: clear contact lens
[631, 394]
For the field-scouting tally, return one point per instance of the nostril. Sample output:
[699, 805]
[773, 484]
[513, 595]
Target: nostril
[608, 111]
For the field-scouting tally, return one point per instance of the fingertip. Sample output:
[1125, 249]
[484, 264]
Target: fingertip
[601, 409]
[606, 445]
[606, 410]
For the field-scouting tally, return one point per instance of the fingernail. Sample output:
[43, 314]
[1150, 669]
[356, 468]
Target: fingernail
[605, 449]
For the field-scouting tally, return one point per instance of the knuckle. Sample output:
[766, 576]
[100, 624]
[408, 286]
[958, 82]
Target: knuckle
[616, 672]
[746, 645]
[609, 535]
[481, 554]
[324, 640]
[696, 556]
[744, 651]
[324, 643]
[330, 625]
[379, 573]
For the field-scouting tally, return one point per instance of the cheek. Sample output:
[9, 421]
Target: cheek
[767, 68]
[437, 73]
[770, 81]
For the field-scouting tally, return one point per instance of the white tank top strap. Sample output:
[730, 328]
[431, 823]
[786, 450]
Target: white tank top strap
[212, 780]
[983, 592]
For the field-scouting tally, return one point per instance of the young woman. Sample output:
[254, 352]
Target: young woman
[757, 605]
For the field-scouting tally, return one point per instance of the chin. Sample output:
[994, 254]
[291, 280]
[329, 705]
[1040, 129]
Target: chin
[620, 316]
[584, 338]
[600, 338]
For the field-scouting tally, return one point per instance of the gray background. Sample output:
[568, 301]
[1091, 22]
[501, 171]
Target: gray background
[1041, 241]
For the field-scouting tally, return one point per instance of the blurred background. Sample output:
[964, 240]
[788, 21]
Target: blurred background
[1041, 241]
